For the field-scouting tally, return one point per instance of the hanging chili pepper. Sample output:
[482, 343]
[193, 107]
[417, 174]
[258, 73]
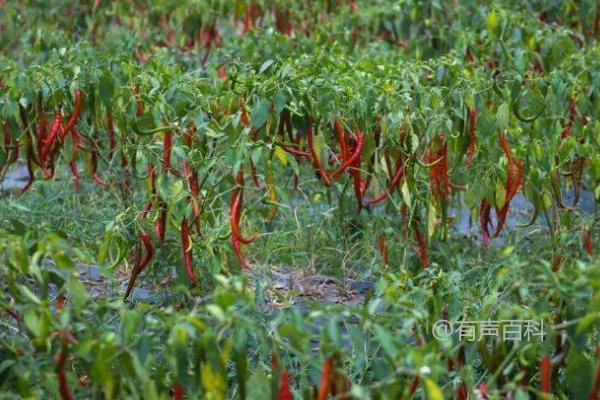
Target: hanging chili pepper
[50, 140]
[29, 170]
[325, 385]
[556, 263]
[254, 174]
[75, 172]
[178, 392]
[238, 252]
[75, 116]
[545, 371]
[139, 108]
[94, 164]
[314, 157]
[587, 242]
[139, 263]
[112, 142]
[438, 172]
[61, 376]
[237, 200]
[483, 391]
[472, 137]
[186, 244]
[382, 249]
[514, 179]
[160, 225]
[414, 385]
[485, 220]
[284, 392]
[353, 158]
[194, 186]
[463, 392]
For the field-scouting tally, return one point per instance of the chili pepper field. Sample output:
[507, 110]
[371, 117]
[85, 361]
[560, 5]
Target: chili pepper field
[320, 199]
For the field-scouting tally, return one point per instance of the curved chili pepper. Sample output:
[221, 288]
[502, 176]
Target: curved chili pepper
[339, 130]
[587, 242]
[48, 142]
[254, 174]
[296, 152]
[76, 113]
[160, 225]
[238, 252]
[325, 385]
[139, 107]
[545, 370]
[187, 251]
[76, 177]
[95, 176]
[235, 215]
[61, 376]
[514, 179]
[472, 137]
[139, 263]
[29, 171]
[284, 392]
[353, 158]
[194, 186]
[178, 392]
[315, 158]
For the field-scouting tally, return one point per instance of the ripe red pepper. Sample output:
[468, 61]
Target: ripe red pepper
[178, 392]
[49, 141]
[472, 137]
[139, 263]
[485, 220]
[514, 178]
[187, 251]
[61, 376]
[139, 108]
[284, 392]
[438, 172]
[587, 242]
[382, 249]
[483, 391]
[238, 252]
[353, 158]
[254, 175]
[75, 172]
[160, 225]
[545, 371]
[325, 385]
[75, 116]
[94, 163]
[29, 170]
[194, 186]
[414, 385]
[463, 392]
[237, 199]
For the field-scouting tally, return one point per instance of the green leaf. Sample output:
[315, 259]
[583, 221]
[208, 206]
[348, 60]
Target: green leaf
[260, 112]
[503, 116]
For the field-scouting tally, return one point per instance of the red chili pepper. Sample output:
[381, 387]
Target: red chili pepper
[353, 158]
[238, 252]
[545, 370]
[472, 137]
[139, 108]
[296, 152]
[339, 130]
[160, 225]
[75, 172]
[587, 242]
[236, 211]
[463, 392]
[325, 385]
[76, 113]
[167, 145]
[223, 72]
[140, 264]
[50, 140]
[423, 256]
[556, 263]
[514, 178]
[194, 186]
[414, 385]
[382, 249]
[112, 142]
[244, 117]
[61, 376]
[95, 176]
[254, 175]
[483, 391]
[187, 251]
[315, 158]
[284, 392]
[178, 392]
